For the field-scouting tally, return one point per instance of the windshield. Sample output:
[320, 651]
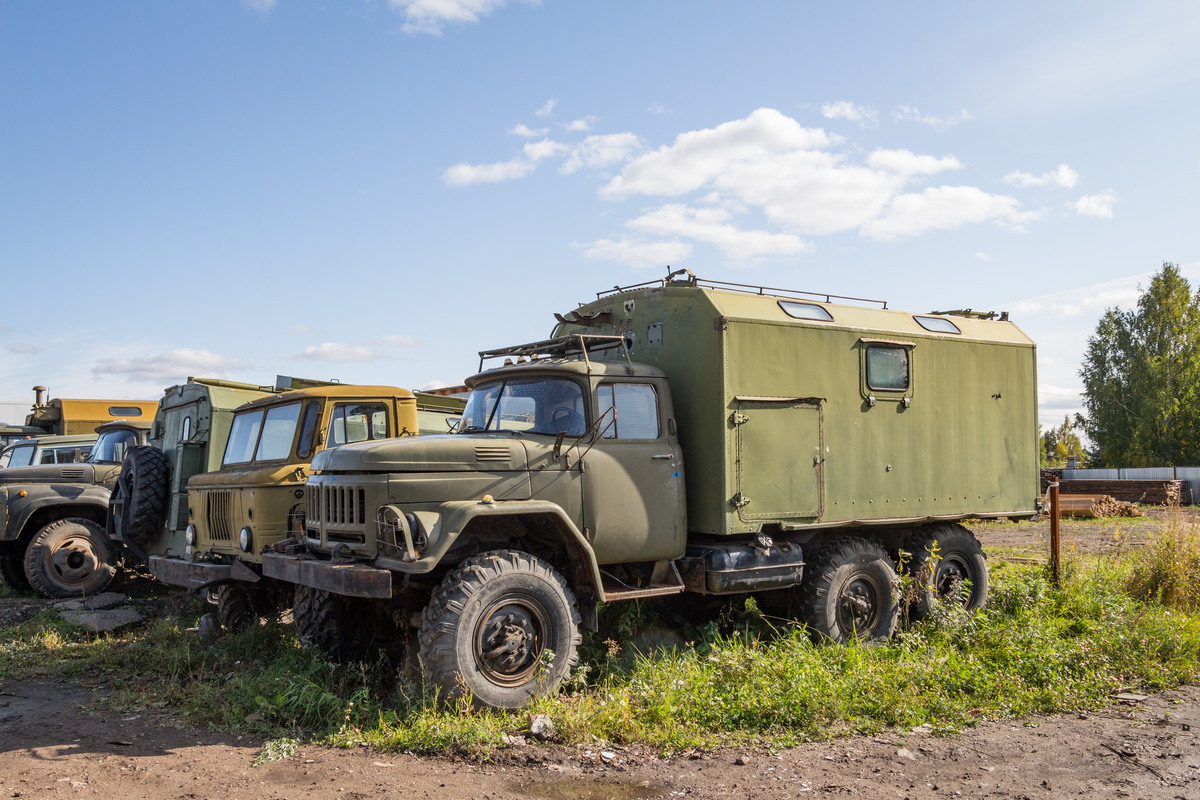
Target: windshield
[262, 434]
[534, 405]
[111, 447]
[20, 456]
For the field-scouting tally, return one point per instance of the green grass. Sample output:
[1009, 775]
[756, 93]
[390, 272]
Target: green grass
[740, 678]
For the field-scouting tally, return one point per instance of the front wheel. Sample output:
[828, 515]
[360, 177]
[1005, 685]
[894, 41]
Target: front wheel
[947, 563]
[850, 592]
[69, 558]
[502, 628]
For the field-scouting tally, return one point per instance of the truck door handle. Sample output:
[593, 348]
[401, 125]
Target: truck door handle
[664, 457]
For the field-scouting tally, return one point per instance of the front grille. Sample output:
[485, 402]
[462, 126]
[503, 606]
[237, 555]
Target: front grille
[218, 514]
[337, 511]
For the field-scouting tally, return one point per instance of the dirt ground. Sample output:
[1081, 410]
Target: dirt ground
[56, 742]
[53, 743]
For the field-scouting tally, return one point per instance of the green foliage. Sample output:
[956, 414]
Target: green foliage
[1060, 444]
[1141, 376]
[1168, 571]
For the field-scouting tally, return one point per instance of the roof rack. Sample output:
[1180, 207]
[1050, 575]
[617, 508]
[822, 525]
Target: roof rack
[560, 347]
[765, 291]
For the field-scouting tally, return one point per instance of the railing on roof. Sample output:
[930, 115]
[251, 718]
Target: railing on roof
[559, 347]
[764, 291]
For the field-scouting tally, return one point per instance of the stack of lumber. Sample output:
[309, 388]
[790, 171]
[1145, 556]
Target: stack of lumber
[1095, 505]
[1156, 493]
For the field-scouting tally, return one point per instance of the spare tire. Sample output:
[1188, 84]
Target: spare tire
[140, 499]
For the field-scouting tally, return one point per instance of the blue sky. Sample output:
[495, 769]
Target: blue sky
[375, 191]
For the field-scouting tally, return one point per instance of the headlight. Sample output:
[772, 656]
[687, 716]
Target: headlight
[189, 535]
[245, 539]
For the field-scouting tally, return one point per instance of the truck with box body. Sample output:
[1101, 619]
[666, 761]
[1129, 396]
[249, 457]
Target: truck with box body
[52, 518]
[204, 518]
[65, 417]
[679, 436]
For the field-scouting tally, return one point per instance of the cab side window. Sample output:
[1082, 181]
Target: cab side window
[628, 411]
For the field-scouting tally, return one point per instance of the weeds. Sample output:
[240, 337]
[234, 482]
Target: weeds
[709, 674]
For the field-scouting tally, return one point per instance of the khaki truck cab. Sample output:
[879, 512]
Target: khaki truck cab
[252, 500]
[678, 436]
[52, 518]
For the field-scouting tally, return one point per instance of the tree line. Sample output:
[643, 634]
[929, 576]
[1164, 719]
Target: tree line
[1141, 381]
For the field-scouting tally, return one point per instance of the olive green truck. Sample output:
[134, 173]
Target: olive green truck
[681, 436]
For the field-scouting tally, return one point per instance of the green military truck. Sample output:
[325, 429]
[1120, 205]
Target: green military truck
[678, 436]
[206, 528]
[52, 518]
[148, 508]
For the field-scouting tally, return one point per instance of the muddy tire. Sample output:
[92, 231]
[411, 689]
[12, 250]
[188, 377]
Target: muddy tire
[326, 623]
[850, 592]
[69, 558]
[501, 628]
[12, 572]
[240, 606]
[945, 561]
[142, 495]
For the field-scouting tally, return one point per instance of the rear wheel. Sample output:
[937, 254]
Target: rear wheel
[501, 628]
[69, 558]
[947, 561]
[850, 592]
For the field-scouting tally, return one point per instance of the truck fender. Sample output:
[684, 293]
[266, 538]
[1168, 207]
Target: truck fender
[449, 520]
[75, 501]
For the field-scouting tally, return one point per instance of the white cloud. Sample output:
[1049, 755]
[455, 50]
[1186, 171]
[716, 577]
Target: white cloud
[526, 132]
[637, 252]
[698, 157]
[370, 350]
[792, 181]
[519, 167]
[1096, 205]
[659, 110]
[1062, 176]
[844, 109]
[911, 114]
[431, 16]
[939, 208]
[547, 108]
[597, 152]
[711, 225]
[302, 328]
[172, 366]
[336, 351]
[24, 349]
[581, 125]
[982, 256]
[261, 6]
[907, 163]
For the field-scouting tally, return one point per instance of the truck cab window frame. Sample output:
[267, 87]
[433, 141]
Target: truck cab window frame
[628, 410]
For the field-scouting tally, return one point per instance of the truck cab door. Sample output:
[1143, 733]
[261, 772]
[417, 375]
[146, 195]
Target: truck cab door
[633, 494]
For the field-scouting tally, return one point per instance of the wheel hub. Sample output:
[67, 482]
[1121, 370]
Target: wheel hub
[508, 642]
[857, 606]
[74, 560]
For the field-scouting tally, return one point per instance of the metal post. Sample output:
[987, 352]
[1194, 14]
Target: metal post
[1055, 539]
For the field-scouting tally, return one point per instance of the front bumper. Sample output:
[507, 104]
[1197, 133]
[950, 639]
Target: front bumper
[354, 580]
[199, 574]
